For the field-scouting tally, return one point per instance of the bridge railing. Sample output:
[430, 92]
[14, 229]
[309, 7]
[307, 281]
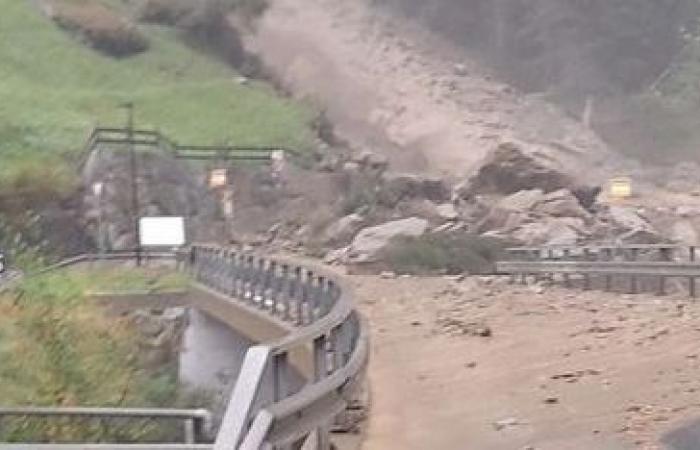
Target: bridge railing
[266, 411]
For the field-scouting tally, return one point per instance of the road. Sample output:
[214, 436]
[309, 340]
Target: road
[479, 364]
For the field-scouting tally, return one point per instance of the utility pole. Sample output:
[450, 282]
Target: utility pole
[134, 178]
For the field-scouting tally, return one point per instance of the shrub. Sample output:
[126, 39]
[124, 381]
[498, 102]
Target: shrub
[449, 253]
[102, 28]
[165, 12]
[207, 26]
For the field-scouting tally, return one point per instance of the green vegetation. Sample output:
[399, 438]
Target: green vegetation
[125, 279]
[450, 253]
[58, 348]
[55, 88]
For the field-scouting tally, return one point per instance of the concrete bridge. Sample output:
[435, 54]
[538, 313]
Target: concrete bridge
[305, 323]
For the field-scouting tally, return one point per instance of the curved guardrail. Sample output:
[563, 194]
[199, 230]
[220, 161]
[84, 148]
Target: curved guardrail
[327, 348]
[633, 262]
[265, 411]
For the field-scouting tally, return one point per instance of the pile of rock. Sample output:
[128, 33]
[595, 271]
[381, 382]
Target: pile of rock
[534, 217]
[514, 197]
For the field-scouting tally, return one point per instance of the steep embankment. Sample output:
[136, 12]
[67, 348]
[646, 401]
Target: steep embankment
[55, 87]
[396, 88]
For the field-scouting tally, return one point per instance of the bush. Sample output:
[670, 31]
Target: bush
[449, 253]
[102, 28]
[164, 12]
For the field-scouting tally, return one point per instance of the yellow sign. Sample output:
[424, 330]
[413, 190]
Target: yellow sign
[218, 178]
[620, 188]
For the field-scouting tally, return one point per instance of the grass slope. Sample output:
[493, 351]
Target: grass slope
[58, 348]
[53, 89]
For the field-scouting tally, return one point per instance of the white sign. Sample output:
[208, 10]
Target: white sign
[162, 231]
[218, 178]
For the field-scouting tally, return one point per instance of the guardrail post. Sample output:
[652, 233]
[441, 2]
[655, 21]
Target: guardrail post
[245, 393]
[586, 276]
[274, 285]
[318, 297]
[310, 297]
[665, 254]
[662, 285]
[320, 358]
[202, 428]
[567, 256]
[249, 278]
[609, 256]
[323, 438]
[189, 431]
[634, 254]
[550, 256]
[692, 253]
[340, 346]
[260, 284]
[691, 287]
[288, 292]
[280, 367]
[298, 296]
[634, 289]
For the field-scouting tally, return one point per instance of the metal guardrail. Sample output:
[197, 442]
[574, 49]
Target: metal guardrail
[633, 262]
[196, 422]
[265, 410]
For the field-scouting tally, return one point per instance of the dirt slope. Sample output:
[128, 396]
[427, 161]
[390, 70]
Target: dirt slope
[562, 370]
[393, 87]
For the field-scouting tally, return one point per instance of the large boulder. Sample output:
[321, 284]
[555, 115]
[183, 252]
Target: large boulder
[343, 230]
[425, 209]
[628, 219]
[447, 212]
[503, 220]
[508, 170]
[371, 241]
[561, 203]
[521, 201]
[399, 187]
[552, 231]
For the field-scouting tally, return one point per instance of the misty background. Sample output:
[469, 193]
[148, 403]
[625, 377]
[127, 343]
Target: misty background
[636, 62]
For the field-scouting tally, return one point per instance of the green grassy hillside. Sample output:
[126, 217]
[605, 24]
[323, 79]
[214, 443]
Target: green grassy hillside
[53, 89]
[58, 347]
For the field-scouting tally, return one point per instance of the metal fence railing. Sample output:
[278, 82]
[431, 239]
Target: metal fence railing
[102, 136]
